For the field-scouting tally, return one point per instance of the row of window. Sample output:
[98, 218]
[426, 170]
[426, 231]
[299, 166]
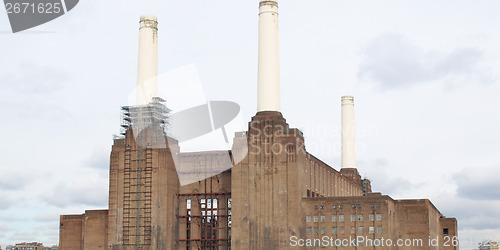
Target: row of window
[359, 206]
[341, 230]
[204, 203]
[341, 217]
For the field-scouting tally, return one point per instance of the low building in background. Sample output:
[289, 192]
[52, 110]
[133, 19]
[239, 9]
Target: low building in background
[30, 246]
[488, 245]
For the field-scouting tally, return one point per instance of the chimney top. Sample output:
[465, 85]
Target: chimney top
[149, 18]
[268, 2]
[149, 21]
[348, 100]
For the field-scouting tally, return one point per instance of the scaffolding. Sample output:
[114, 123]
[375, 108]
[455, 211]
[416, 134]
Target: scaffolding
[140, 117]
[137, 197]
[149, 124]
[204, 220]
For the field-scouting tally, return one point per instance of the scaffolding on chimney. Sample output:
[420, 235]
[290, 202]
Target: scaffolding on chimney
[138, 169]
[140, 117]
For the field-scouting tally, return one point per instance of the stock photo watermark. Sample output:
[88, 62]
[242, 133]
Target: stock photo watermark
[27, 14]
[365, 241]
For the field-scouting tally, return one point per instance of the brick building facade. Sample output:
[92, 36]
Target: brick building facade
[268, 192]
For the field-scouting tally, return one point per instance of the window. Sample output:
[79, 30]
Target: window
[359, 206]
[308, 218]
[316, 230]
[379, 229]
[360, 217]
[353, 205]
[334, 230]
[334, 218]
[323, 218]
[378, 205]
[334, 206]
[323, 230]
[188, 204]
[379, 217]
[341, 206]
[202, 203]
[308, 231]
[342, 230]
[322, 206]
[341, 217]
[316, 218]
[316, 207]
[371, 217]
[308, 193]
[360, 230]
[353, 217]
[445, 231]
[372, 205]
[372, 230]
[353, 230]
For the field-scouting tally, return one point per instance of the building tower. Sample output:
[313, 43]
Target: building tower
[268, 185]
[268, 82]
[143, 178]
[260, 193]
[348, 134]
[348, 141]
[147, 65]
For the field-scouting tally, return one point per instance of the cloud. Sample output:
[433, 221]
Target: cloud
[24, 236]
[34, 78]
[47, 217]
[12, 218]
[89, 191]
[39, 110]
[392, 61]
[4, 228]
[99, 159]
[376, 170]
[5, 202]
[478, 183]
[26, 93]
[472, 215]
[12, 178]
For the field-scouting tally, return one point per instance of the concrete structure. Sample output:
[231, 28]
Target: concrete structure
[279, 196]
[268, 83]
[348, 159]
[147, 69]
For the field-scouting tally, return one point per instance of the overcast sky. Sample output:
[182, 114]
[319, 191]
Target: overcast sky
[424, 75]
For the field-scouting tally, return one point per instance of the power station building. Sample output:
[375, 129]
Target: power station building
[267, 192]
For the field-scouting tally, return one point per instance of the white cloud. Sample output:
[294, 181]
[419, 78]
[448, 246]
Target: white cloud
[82, 190]
[479, 183]
[394, 62]
[14, 178]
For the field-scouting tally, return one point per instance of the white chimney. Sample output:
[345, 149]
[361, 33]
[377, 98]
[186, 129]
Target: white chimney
[147, 70]
[348, 135]
[268, 90]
